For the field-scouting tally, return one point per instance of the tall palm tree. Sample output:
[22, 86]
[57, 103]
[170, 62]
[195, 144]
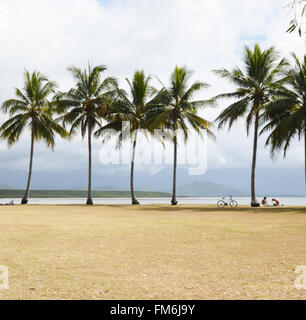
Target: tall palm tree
[174, 108]
[31, 109]
[286, 114]
[255, 86]
[85, 105]
[130, 107]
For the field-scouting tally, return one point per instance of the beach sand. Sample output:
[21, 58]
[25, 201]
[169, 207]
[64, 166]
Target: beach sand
[151, 252]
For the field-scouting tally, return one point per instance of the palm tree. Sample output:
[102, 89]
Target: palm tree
[174, 108]
[132, 109]
[254, 88]
[31, 109]
[85, 105]
[287, 112]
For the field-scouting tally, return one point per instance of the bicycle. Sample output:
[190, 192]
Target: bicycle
[232, 203]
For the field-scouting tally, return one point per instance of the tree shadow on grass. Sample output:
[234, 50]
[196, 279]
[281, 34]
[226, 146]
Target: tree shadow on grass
[203, 209]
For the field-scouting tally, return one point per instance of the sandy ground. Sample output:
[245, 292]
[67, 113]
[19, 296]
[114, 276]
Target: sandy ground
[151, 252]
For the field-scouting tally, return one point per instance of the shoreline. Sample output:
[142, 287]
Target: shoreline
[160, 205]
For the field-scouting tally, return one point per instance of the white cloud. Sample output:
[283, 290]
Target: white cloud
[138, 34]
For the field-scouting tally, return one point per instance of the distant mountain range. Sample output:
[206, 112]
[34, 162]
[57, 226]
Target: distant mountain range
[215, 182]
[208, 189]
[194, 189]
[3, 186]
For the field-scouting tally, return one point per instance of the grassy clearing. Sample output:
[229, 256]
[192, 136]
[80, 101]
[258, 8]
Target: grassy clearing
[151, 252]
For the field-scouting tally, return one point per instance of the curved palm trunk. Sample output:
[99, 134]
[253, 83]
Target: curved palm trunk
[134, 200]
[254, 202]
[173, 200]
[27, 191]
[305, 147]
[89, 198]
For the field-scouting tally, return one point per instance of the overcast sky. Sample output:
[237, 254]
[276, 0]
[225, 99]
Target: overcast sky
[126, 35]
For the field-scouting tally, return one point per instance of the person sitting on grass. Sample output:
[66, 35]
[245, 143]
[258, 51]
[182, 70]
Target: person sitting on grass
[264, 202]
[275, 203]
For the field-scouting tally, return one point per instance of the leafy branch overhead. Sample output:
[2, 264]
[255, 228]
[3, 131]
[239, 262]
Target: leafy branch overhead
[299, 12]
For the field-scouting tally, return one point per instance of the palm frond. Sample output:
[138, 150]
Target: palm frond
[32, 109]
[233, 112]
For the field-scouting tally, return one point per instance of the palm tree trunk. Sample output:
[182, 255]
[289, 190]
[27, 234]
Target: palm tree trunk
[89, 198]
[174, 201]
[305, 147]
[254, 202]
[27, 191]
[134, 200]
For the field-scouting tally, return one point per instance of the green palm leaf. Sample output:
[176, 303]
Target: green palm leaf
[31, 109]
[257, 85]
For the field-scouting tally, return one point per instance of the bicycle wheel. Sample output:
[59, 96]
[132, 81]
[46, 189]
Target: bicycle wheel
[233, 204]
[221, 204]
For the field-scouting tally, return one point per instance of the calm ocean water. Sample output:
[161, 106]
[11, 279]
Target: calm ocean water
[287, 201]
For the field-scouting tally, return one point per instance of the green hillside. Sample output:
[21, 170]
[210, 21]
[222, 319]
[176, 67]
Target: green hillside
[80, 194]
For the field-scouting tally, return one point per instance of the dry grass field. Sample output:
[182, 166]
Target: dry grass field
[152, 252]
